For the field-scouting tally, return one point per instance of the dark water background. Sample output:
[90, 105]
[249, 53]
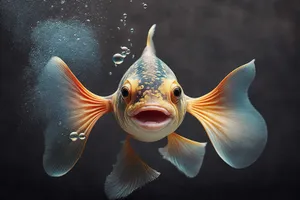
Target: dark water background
[201, 40]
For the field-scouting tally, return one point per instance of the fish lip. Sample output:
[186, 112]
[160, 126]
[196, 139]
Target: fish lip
[149, 108]
[151, 125]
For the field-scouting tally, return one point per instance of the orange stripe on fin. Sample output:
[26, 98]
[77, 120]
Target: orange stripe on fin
[235, 128]
[80, 111]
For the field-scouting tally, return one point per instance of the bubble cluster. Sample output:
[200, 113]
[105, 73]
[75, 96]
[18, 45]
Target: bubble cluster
[124, 19]
[118, 58]
[75, 136]
[125, 51]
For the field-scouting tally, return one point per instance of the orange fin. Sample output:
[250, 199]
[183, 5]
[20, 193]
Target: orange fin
[69, 129]
[235, 128]
[129, 174]
[187, 155]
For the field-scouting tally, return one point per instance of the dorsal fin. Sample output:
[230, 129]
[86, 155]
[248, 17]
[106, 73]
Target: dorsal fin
[150, 44]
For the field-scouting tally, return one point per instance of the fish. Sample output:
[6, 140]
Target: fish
[149, 105]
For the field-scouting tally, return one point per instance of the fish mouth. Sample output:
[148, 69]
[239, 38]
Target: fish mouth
[152, 117]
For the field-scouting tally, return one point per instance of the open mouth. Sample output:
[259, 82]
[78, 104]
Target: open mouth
[152, 117]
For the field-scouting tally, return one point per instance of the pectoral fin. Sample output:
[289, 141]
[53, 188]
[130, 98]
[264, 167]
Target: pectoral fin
[129, 174]
[235, 128]
[73, 112]
[187, 155]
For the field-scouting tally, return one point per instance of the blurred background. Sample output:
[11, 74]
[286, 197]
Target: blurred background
[201, 41]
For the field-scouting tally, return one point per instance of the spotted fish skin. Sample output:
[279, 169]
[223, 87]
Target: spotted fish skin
[150, 72]
[151, 80]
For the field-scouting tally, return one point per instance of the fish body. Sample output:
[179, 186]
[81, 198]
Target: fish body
[149, 82]
[149, 104]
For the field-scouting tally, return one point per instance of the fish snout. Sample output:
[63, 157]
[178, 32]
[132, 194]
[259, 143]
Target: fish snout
[152, 117]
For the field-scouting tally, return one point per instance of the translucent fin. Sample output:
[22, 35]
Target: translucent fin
[236, 129]
[187, 155]
[66, 134]
[150, 38]
[129, 174]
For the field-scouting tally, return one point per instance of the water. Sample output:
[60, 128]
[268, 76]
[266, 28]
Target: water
[204, 41]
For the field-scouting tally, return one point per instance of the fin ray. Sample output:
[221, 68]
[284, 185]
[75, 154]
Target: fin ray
[186, 155]
[129, 174]
[79, 111]
[235, 128]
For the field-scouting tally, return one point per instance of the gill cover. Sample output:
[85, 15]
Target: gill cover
[236, 129]
[79, 109]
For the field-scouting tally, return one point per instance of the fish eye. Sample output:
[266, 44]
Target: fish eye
[125, 91]
[177, 91]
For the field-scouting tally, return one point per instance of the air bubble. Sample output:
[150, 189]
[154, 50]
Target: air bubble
[118, 58]
[144, 5]
[73, 136]
[125, 51]
[82, 136]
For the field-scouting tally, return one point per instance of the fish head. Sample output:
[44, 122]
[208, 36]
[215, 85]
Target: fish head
[150, 106]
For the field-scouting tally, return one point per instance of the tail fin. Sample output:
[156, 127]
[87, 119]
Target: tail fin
[68, 129]
[236, 129]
